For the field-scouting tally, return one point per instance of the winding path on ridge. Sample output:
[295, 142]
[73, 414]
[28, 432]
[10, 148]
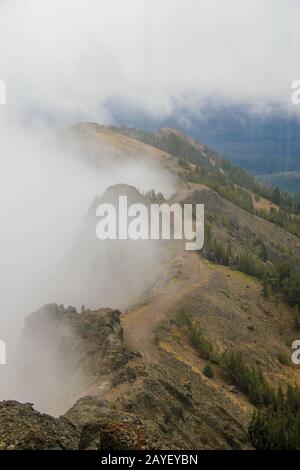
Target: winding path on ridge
[140, 322]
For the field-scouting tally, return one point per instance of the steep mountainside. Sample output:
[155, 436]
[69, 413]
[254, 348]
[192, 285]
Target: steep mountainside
[209, 342]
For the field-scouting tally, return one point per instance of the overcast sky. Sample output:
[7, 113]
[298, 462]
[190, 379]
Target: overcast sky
[66, 58]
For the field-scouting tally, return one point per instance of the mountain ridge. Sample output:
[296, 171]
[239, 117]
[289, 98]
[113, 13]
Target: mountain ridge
[235, 299]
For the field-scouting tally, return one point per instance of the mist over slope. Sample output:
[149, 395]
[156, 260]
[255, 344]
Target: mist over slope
[48, 184]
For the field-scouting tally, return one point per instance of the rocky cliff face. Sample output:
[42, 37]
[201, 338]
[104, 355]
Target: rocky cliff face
[173, 407]
[63, 352]
[23, 428]
[90, 338]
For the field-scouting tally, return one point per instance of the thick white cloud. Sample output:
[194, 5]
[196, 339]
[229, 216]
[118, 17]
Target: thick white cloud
[65, 58]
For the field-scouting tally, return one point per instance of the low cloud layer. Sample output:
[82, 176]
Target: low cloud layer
[63, 59]
[46, 191]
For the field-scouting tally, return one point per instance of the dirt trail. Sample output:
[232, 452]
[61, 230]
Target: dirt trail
[140, 322]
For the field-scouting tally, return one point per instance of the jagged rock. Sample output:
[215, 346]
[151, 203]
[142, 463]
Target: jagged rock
[104, 425]
[94, 336]
[21, 427]
[89, 425]
[63, 351]
[101, 426]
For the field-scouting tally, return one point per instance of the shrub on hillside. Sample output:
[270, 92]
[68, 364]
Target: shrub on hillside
[278, 427]
[283, 359]
[250, 380]
[199, 340]
[208, 370]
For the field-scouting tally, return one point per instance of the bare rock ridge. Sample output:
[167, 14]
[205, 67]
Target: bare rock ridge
[91, 424]
[59, 343]
[23, 428]
[173, 409]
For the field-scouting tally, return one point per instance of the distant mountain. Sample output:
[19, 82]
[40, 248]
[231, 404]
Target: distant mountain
[262, 143]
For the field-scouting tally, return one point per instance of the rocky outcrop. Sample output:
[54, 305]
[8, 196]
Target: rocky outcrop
[105, 425]
[70, 355]
[91, 426]
[101, 426]
[184, 409]
[91, 338]
[21, 427]
[64, 352]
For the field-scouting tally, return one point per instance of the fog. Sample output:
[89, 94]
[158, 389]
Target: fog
[62, 61]
[46, 191]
